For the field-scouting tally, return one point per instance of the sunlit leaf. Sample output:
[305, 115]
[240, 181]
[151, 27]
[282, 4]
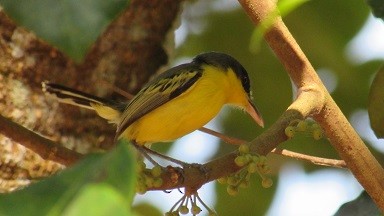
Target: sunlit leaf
[98, 199]
[70, 25]
[110, 176]
[376, 104]
[144, 209]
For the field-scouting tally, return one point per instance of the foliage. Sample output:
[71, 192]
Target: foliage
[362, 205]
[376, 104]
[101, 184]
[70, 26]
[377, 7]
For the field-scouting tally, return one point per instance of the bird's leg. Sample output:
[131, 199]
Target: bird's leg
[143, 152]
[146, 151]
[165, 157]
[198, 166]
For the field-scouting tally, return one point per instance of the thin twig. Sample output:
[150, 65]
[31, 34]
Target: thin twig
[312, 159]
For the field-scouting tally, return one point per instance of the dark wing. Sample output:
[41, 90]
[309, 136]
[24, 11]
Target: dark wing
[164, 88]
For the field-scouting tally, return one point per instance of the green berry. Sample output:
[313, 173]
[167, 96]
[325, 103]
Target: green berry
[149, 181]
[240, 160]
[267, 182]
[183, 209]
[232, 180]
[289, 131]
[317, 134]
[157, 182]
[222, 180]
[195, 209]
[252, 167]
[140, 166]
[212, 213]
[141, 188]
[264, 169]
[244, 184]
[262, 159]
[232, 190]
[315, 126]
[175, 213]
[244, 149]
[140, 178]
[255, 158]
[302, 126]
[156, 171]
[248, 158]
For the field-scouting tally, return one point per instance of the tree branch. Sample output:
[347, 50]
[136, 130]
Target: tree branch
[44, 147]
[133, 47]
[342, 136]
[313, 159]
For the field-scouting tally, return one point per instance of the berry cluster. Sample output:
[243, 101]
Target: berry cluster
[250, 164]
[181, 206]
[147, 178]
[151, 178]
[304, 126]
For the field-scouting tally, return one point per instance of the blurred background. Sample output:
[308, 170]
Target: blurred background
[344, 43]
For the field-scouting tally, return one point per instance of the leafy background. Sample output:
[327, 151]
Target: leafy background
[324, 30]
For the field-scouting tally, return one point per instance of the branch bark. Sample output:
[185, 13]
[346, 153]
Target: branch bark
[47, 149]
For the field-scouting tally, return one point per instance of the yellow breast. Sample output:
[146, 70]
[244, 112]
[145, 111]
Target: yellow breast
[183, 114]
[187, 112]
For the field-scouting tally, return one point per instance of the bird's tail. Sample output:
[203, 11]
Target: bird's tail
[107, 109]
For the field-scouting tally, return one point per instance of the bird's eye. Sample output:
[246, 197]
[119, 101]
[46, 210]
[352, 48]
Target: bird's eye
[245, 80]
[246, 83]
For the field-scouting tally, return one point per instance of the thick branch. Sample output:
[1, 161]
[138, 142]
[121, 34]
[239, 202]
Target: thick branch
[337, 128]
[133, 47]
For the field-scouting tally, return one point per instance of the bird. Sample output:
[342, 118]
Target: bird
[178, 101]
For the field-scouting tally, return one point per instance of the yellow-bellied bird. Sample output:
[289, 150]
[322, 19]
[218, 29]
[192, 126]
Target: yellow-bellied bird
[175, 103]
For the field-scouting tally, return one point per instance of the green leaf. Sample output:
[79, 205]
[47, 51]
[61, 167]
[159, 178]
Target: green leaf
[109, 178]
[377, 7]
[254, 200]
[70, 25]
[376, 104]
[97, 199]
[143, 209]
[362, 205]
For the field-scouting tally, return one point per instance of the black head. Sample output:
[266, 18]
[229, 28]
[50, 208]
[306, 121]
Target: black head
[225, 61]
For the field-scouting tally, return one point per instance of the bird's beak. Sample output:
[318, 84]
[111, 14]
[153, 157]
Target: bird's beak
[254, 113]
